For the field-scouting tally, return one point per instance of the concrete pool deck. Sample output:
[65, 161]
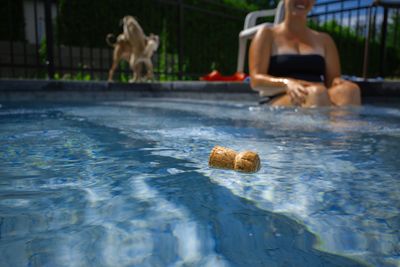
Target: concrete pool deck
[47, 90]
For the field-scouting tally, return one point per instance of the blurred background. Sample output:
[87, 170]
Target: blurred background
[65, 39]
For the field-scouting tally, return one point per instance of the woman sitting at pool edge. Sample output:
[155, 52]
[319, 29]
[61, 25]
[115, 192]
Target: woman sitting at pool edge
[296, 66]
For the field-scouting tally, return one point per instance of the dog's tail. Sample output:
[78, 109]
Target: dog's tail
[108, 39]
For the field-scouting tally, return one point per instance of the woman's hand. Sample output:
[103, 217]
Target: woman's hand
[297, 91]
[337, 81]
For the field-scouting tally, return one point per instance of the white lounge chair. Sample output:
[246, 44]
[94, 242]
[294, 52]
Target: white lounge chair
[250, 29]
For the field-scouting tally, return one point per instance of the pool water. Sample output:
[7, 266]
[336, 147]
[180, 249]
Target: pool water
[128, 184]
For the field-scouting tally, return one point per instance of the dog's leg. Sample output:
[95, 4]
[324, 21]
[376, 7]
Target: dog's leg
[112, 70]
[116, 59]
[132, 64]
[136, 71]
[149, 68]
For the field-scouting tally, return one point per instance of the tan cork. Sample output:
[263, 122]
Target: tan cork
[226, 158]
[222, 157]
[247, 161]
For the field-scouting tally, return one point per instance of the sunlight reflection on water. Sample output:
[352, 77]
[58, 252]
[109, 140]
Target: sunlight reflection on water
[93, 182]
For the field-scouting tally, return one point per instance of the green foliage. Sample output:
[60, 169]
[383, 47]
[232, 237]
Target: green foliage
[80, 76]
[162, 66]
[43, 51]
[394, 29]
[264, 4]
[125, 72]
[240, 4]
[351, 50]
[393, 39]
[251, 4]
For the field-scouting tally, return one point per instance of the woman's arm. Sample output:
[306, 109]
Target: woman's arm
[260, 52]
[267, 85]
[332, 61]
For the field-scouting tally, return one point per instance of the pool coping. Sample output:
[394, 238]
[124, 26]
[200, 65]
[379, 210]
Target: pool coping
[51, 90]
[47, 90]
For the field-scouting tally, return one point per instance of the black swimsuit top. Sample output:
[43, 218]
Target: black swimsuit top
[303, 67]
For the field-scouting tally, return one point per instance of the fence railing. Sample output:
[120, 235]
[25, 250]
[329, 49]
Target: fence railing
[349, 22]
[64, 39]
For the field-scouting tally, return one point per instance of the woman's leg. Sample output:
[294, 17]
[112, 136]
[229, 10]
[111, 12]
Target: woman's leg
[317, 97]
[345, 93]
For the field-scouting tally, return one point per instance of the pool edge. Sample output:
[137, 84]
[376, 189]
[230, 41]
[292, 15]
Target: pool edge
[51, 90]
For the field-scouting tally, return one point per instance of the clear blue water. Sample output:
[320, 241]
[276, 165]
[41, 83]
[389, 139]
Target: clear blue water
[127, 184]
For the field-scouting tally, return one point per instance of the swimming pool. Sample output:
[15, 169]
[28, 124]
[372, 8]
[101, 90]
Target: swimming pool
[127, 184]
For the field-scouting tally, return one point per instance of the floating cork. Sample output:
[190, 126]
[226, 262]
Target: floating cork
[226, 158]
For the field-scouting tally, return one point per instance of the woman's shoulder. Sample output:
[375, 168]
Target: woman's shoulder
[266, 30]
[321, 36]
[265, 34]
[270, 32]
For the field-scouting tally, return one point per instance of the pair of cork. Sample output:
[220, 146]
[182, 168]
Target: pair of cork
[226, 158]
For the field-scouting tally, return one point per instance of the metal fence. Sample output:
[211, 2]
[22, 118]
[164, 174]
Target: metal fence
[350, 22]
[194, 38]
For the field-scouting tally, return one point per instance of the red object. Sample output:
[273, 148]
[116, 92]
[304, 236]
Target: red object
[216, 76]
[212, 76]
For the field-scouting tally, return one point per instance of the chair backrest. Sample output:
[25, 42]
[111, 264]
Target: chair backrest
[280, 13]
[252, 17]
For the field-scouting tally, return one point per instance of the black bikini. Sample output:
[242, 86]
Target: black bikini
[302, 67]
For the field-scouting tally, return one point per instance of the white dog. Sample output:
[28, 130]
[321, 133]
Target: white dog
[152, 43]
[133, 46]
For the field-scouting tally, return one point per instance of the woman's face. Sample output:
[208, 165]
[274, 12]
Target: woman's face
[299, 7]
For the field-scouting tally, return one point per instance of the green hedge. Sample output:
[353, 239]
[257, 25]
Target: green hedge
[351, 51]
